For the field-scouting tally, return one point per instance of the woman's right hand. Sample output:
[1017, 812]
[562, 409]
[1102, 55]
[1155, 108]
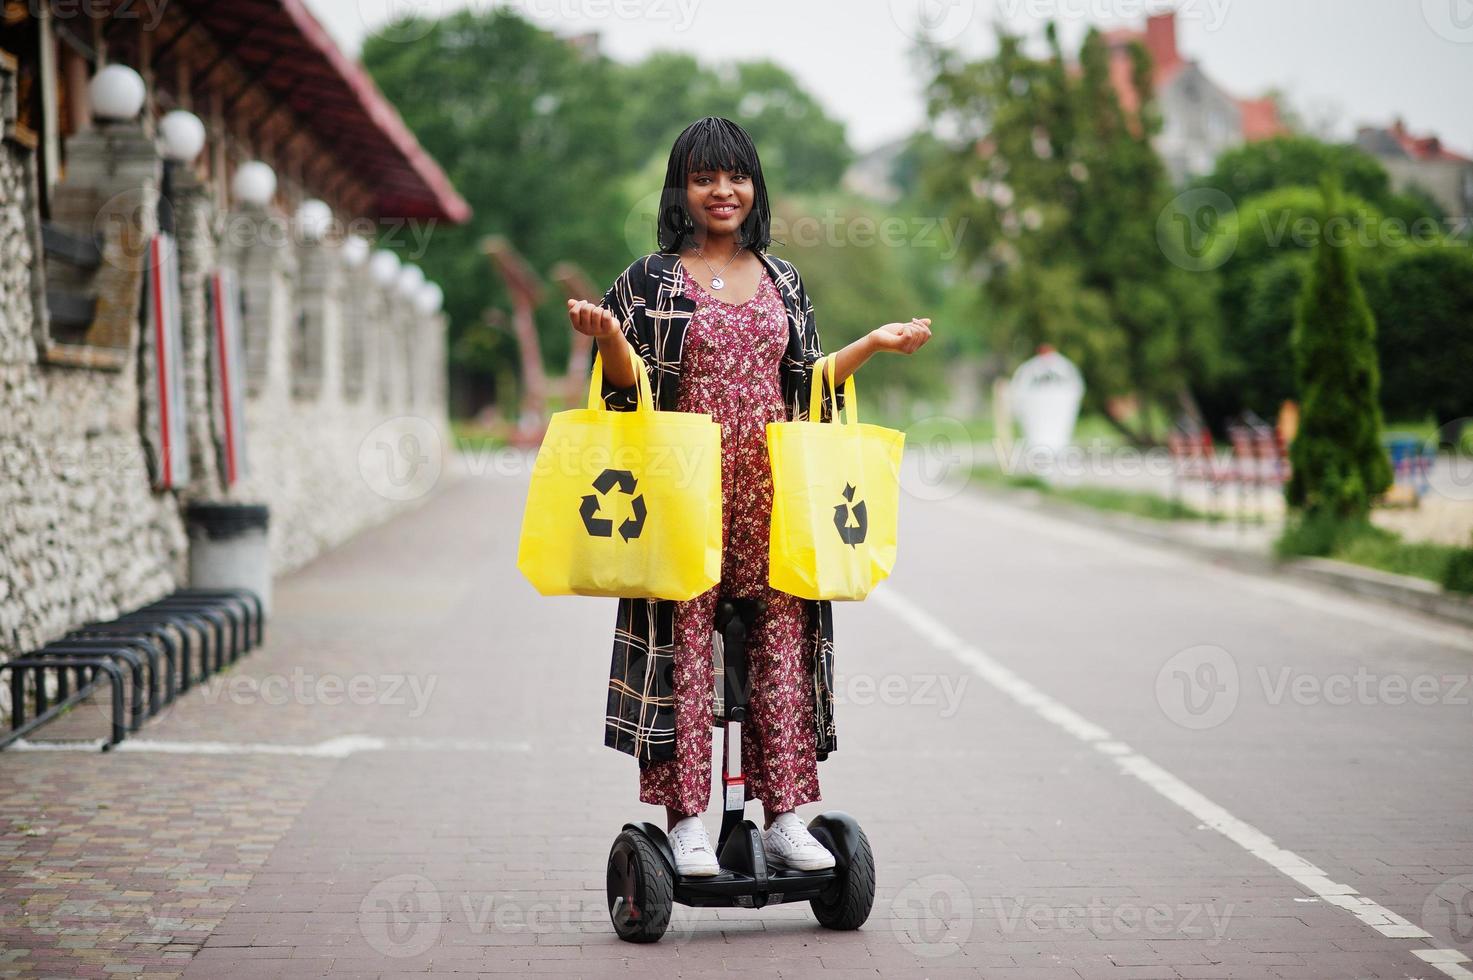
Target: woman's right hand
[601, 324]
[592, 319]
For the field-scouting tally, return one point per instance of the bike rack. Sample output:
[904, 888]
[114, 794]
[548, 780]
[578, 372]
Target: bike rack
[157, 650]
[20, 727]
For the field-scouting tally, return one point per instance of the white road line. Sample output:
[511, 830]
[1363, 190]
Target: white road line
[1162, 556]
[1447, 961]
[1132, 763]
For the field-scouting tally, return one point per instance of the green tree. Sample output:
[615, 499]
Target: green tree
[1299, 161]
[1061, 188]
[553, 147]
[1339, 465]
[1263, 359]
[803, 149]
[518, 119]
[1424, 312]
[1270, 237]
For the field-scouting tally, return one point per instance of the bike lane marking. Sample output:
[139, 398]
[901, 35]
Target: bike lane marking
[1132, 763]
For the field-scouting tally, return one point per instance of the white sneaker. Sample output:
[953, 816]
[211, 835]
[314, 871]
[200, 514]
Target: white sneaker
[694, 854]
[789, 844]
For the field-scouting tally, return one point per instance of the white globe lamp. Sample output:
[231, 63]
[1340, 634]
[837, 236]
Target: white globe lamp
[254, 183]
[384, 267]
[411, 277]
[314, 218]
[429, 298]
[355, 251]
[116, 93]
[181, 135]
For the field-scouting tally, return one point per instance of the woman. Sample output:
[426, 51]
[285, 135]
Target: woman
[728, 330]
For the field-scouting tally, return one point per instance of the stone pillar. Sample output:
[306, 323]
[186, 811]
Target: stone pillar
[409, 346]
[193, 207]
[316, 366]
[359, 357]
[256, 245]
[388, 352]
[431, 390]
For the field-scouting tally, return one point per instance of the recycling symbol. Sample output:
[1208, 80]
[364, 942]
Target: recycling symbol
[603, 527]
[850, 534]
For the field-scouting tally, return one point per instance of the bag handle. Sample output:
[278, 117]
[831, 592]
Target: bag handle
[825, 367]
[644, 400]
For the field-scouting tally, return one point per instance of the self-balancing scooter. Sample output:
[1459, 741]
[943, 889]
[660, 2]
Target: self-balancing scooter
[643, 883]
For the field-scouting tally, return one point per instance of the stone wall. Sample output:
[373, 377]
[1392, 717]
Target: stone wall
[82, 536]
[83, 533]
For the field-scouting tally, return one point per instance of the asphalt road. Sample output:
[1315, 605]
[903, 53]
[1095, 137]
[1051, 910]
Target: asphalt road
[1074, 756]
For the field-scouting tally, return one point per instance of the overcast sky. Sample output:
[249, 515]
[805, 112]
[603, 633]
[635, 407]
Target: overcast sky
[1342, 62]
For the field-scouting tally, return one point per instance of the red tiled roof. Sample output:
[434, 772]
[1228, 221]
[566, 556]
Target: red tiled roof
[1422, 147]
[296, 60]
[1260, 118]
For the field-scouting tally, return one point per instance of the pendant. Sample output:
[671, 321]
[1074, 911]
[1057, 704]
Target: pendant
[717, 282]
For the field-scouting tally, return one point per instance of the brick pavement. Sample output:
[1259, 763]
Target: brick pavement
[452, 812]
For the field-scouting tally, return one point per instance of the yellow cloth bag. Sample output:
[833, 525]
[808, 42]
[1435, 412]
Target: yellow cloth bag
[624, 503]
[835, 499]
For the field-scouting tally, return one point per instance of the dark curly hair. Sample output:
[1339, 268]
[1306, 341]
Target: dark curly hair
[712, 143]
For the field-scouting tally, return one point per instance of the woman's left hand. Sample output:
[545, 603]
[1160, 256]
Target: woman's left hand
[902, 338]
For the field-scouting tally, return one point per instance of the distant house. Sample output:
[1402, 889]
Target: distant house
[1423, 162]
[1199, 118]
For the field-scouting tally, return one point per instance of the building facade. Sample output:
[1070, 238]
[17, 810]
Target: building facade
[218, 310]
[1422, 162]
[1199, 119]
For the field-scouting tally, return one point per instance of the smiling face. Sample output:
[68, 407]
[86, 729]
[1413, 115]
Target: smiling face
[719, 200]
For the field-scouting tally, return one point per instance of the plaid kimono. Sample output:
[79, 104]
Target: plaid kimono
[649, 301]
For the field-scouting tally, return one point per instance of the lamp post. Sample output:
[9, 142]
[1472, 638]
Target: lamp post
[429, 298]
[314, 220]
[411, 277]
[181, 138]
[384, 267]
[116, 93]
[254, 183]
[355, 251]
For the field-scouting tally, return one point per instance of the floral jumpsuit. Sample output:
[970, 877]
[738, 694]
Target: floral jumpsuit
[729, 369]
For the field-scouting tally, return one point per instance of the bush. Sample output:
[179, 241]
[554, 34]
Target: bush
[1424, 312]
[1361, 543]
[1317, 535]
[1458, 576]
[1272, 237]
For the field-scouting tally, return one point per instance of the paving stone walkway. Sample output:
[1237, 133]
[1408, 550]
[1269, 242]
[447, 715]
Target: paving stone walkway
[1075, 757]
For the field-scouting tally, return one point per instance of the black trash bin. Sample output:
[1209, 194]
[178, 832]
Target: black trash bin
[228, 548]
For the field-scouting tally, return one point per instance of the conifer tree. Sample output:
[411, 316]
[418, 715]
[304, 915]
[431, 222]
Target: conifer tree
[1339, 465]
